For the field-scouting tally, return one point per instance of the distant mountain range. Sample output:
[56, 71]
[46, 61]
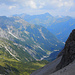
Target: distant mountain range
[59, 26]
[42, 19]
[26, 42]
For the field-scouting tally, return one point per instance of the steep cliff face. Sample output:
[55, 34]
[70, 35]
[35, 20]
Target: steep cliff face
[68, 53]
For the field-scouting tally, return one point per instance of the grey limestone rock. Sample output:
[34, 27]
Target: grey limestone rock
[68, 53]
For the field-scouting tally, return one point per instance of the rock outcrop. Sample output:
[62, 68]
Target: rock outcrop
[68, 53]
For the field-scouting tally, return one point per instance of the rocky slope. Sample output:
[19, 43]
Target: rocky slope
[47, 69]
[65, 63]
[13, 51]
[36, 41]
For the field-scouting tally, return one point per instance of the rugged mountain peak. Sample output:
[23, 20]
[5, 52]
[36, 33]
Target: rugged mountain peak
[48, 14]
[68, 54]
[71, 37]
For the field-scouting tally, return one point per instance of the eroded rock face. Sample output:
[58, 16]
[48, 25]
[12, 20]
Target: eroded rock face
[68, 53]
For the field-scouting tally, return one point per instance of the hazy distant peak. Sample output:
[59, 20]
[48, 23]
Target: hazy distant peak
[47, 13]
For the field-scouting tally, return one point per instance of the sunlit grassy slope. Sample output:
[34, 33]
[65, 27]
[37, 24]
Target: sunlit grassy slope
[9, 65]
[15, 67]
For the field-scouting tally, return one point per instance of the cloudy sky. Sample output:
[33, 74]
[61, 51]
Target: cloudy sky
[34, 7]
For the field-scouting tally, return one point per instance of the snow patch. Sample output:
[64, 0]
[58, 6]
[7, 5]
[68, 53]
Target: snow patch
[42, 33]
[44, 57]
[63, 42]
[11, 53]
[56, 50]
[13, 35]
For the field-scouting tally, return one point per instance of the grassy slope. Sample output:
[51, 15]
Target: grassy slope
[10, 66]
[20, 68]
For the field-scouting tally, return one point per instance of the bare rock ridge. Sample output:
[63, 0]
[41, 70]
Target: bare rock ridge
[68, 53]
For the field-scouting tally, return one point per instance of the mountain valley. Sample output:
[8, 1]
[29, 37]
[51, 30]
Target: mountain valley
[26, 47]
[59, 26]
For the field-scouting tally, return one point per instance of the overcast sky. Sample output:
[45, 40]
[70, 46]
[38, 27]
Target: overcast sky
[34, 7]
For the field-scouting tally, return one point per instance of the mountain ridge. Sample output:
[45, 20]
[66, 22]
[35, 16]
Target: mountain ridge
[59, 26]
[36, 40]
